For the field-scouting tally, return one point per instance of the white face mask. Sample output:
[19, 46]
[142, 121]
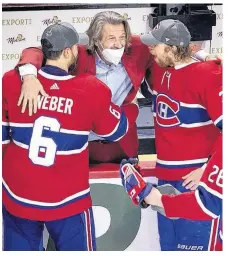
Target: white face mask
[113, 55]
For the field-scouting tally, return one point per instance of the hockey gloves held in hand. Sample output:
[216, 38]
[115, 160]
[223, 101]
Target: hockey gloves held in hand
[134, 184]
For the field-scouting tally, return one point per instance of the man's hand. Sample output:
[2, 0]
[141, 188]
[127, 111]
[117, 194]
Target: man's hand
[191, 180]
[134, 184]
[155, 197]
[31, 87]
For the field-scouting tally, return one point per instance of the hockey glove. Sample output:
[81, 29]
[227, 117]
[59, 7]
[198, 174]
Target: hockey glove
[134, 184]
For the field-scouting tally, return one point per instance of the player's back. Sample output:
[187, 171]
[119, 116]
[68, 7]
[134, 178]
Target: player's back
[187, 106]
[45, 168]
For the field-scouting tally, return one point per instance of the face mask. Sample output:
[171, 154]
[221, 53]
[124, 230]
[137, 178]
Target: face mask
[113, 55]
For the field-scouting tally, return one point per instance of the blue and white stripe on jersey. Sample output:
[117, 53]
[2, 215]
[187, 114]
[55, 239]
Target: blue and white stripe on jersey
[67, 141]
[181, 164]
[209, 200]
[119, 131]
[220, 236]
[5, 133]
[218, 122]
[189, 115]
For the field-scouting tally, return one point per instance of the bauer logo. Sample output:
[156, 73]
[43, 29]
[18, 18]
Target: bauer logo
[190, 247]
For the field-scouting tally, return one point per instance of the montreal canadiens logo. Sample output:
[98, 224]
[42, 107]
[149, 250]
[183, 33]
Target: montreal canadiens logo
[166, 111]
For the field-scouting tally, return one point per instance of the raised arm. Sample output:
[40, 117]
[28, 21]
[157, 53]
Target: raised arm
[30, 61]
[33, 56]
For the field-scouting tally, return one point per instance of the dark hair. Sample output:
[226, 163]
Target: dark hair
[50, 55]
[180, 52]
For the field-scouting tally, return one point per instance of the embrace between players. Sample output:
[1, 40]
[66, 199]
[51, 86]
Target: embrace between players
[90, 84]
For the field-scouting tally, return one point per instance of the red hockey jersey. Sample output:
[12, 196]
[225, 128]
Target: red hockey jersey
[45, 158]
[187, 106]
[205, 203]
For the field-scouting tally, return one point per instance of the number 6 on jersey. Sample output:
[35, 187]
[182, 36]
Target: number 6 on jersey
[42, 150]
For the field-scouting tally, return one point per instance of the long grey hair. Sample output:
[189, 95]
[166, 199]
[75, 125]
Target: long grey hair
[96, 26]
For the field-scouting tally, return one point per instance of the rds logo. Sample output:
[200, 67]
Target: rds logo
[166, 111]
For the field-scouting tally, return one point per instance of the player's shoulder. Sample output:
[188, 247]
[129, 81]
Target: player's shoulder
[211, 67]
[11, 83]
[135, 40]
[138, 51]
[136, 43]
[205, 74]
[91, 83]
[86, 79]
[82, 50]
[11, 80]
[12, 74]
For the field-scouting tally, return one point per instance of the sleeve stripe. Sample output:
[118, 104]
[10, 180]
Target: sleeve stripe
[220, 234]
[154, 92]
[119, 131]
[124, 133]
[218, 120]
[209, 213]
[111, 133]
[212, 191]
[5, 123]
[5, 142]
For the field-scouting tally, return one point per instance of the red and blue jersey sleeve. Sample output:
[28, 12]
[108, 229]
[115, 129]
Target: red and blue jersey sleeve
[211, 93]
[109, 122]
[209, 192]
[206, 202]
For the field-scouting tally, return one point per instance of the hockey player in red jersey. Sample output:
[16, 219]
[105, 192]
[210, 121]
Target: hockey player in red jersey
[205, 203]
[45, 156]
[187, 109]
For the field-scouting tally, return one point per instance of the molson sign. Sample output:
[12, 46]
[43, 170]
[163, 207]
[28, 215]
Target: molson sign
[17, 39]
